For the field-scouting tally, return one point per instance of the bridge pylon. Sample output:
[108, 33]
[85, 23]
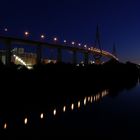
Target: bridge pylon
[98, 56]
[114, 52]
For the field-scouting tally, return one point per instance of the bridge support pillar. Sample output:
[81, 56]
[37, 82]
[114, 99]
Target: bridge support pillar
[8, 52]
[86, 58]
[74, 57]
[39, 54]
[59, 55]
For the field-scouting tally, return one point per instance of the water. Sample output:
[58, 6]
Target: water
[106, 117]
[100, 116]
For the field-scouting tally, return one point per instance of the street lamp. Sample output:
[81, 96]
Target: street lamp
[73, 43]
[26, 33]
[79, 44]
[42, 36]
[85, 46]
[55, 39]
[5, 29]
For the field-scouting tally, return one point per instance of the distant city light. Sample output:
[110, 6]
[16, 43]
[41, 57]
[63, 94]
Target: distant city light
[92, 62]
[20, 60]
[30, 67]
[65, 41]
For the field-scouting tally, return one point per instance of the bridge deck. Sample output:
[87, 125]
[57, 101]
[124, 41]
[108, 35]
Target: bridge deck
[20, 41]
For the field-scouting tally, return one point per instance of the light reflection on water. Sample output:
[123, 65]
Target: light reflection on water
[82, 102]
[72, 106]
[25, 121]
[54, 112]
[64, 109]
[42, 115]
[79, 104]
[5, 126]
[85, 101]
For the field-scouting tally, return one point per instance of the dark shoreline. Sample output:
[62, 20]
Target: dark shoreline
[56, 80]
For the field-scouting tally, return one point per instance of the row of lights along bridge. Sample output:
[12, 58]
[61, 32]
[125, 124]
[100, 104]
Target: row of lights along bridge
[55, 40]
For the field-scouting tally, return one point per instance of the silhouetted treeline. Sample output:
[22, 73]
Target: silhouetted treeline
[59, 81]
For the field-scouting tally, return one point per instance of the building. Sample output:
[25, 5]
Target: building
[19, 56]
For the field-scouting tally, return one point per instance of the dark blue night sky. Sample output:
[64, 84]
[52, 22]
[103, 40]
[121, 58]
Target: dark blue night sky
[119, 22]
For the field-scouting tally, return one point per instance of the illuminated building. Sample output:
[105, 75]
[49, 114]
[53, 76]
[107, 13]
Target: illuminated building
[20, 57]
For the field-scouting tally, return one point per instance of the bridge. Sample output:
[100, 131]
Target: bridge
[9, 41]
